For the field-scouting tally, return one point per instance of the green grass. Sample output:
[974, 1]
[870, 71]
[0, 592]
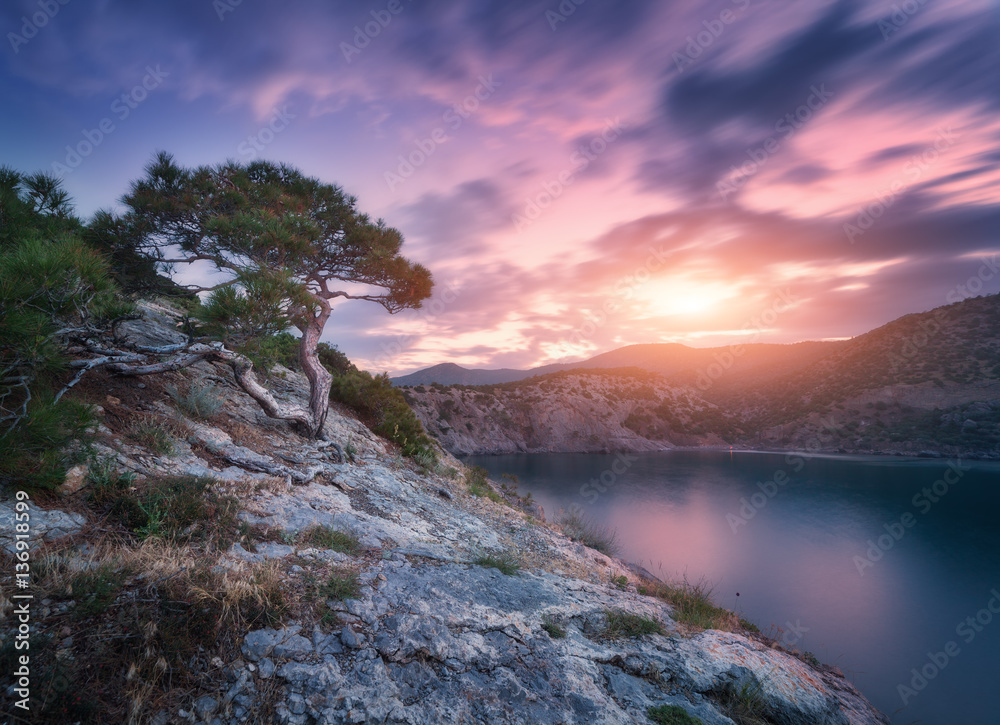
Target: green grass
[323, 537]
[151, 434]
[476, 477]
[198, 402]
[578, 528]
[621, 582]
[505, 562]
[178, 509]
[621, 625]
[671, 715]
[342, 584]
[94, 591]
[692, 604]
[553, 628]
[744, 704]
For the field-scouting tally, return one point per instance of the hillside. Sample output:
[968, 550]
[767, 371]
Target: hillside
[751, 360]
[212, 566]
[927, 382]
[572, 411]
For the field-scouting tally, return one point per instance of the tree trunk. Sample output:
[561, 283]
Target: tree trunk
[245, 378]
[319, 377]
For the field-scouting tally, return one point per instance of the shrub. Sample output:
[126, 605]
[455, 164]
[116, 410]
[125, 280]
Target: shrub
[625, 624]
[201, 402]
[383, 409]
[478, 482]
[95, 590]
[578, 528]
[671, 715]
[183, 508]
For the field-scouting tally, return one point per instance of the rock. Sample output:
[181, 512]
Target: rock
[350, 638]
[76, 478]
[266, 668]
[206, 706]
[44, 525]
[278, 643]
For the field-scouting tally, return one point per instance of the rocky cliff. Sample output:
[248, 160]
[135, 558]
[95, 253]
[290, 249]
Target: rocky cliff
[925, 382]
[460, 609]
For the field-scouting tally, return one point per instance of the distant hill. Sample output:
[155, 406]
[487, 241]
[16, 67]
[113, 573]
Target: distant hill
[927, 382]
[663, 358]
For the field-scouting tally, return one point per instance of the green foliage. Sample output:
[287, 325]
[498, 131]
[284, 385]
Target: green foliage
[266, 351]
[324, 537]
[692, 604]
[671, 715]
[50, 282]
[95, 590]
[343, 583]
[621, 624]
[577, 527]
[178, 509]
[506, 562]
[554, 629]
[744, 703]
[200, 402]
[477, 479]
[383, 409]
[621, 582]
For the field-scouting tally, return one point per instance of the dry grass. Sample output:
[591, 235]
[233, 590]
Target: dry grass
[146, 620]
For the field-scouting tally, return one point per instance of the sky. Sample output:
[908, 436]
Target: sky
[578, 175]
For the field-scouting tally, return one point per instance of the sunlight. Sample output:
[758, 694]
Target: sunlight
[681, 298]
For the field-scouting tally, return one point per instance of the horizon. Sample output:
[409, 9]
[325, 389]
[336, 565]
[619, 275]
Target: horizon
[578, 177]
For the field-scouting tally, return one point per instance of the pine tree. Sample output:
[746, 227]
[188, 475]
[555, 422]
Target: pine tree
[287, 245]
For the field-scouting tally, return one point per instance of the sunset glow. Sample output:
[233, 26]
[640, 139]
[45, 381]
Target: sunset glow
[620, 170]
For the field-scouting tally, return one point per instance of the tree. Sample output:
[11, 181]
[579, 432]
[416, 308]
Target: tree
[53, 287]
[287, 246]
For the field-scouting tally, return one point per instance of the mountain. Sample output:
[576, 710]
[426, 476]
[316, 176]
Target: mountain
[927, 382]
[663, 358]
[452, 374]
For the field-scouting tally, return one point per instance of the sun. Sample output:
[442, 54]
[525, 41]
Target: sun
[683, 298]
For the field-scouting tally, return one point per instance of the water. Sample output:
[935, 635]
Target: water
[796, 552]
